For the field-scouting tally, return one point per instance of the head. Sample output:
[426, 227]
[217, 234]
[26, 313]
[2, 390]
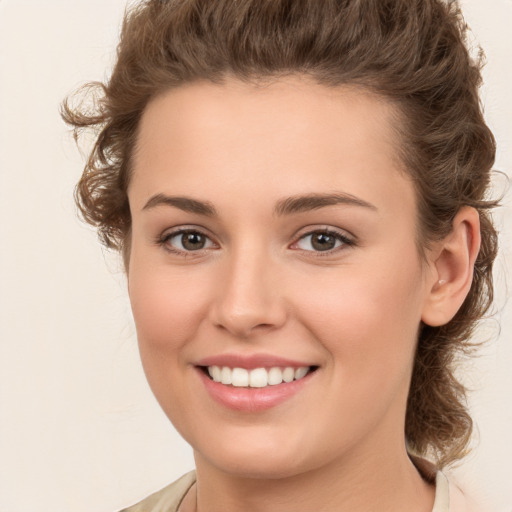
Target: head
[409, 55]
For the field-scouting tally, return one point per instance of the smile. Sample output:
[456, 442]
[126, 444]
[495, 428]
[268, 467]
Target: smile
[256, 383]
[257, 377]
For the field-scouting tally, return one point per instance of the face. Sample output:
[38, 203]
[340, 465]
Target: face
[273, 249]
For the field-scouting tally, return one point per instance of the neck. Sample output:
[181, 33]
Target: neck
[354, 483]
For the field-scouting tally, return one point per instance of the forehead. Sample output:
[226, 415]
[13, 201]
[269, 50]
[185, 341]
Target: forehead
[279, 108]
[290, 134]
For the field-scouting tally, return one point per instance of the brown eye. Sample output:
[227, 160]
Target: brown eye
[322, 241]
[187, 241]
[193, 241]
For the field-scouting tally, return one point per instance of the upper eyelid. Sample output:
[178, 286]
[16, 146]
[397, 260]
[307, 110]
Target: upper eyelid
[309, 230]
[169, 233]
[347, 241]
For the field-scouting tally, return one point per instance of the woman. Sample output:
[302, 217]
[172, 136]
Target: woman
[298, 189]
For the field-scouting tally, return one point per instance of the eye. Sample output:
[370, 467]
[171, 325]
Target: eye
[322, 241]
[186, 240]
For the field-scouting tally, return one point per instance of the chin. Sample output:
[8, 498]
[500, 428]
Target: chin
[258, 457]
[258, 467]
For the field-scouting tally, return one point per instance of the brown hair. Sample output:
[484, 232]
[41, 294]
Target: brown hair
[412, 52]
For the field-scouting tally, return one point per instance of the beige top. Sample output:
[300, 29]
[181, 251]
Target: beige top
[449, 498]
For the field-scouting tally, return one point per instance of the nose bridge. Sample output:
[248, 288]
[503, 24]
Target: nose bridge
[248, 297]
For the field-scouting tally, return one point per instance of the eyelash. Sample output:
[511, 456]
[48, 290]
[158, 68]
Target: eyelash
[164, 239]
[346, 242]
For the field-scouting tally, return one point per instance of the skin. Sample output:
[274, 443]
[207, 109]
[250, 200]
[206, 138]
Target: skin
[259, 286]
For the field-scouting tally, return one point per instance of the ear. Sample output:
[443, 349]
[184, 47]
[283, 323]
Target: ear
[452, 263]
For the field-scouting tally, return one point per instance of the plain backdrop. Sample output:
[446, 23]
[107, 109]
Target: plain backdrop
[79, 428]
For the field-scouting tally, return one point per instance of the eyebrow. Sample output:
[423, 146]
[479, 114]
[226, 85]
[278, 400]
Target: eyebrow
[302, 203]
[287, 206]
[187, 204]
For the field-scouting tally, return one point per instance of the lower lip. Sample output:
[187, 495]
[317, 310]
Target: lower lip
[252, 399]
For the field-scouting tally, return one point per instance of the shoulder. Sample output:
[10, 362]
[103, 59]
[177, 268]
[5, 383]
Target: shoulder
[451, 498]
[167, 499]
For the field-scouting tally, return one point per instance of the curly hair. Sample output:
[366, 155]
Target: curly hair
[414, 53]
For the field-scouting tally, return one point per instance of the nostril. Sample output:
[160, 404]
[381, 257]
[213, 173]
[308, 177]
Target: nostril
[246, 302]
[244, 326]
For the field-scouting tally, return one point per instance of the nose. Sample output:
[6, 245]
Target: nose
[249, 299]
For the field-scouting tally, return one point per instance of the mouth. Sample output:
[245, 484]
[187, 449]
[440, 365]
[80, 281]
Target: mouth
[263, 377]
[254, 383]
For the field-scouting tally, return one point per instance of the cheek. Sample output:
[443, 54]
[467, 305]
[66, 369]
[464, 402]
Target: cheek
[367, 316]
[167, 314]
[167, 309]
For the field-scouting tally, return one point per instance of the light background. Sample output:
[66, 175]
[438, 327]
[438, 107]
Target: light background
[79, 428]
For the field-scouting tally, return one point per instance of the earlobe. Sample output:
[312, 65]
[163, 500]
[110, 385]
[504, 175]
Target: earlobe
[453, 264]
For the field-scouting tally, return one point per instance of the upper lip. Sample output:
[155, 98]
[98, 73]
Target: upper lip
[250, 361]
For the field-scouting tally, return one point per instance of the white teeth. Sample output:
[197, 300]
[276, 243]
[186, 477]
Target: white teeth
[240, 377]
[288, 374]
[301, 372]
[214, 372]
[256, 378]
[225, 375]
[275, 376]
